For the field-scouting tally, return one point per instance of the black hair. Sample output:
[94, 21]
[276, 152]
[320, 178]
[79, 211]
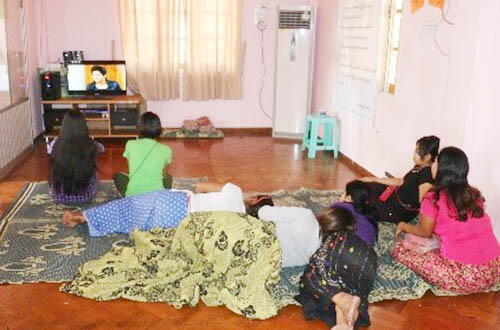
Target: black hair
[334, 219]
[428, 145]
[261, 200]
[74, 155]
[360, 195]
[149, 125]
[451, 177]
[99, 68]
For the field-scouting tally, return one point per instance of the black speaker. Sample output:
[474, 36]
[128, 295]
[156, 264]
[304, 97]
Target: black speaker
[51, 85]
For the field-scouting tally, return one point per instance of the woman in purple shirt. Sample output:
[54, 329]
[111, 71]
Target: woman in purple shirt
[356, 199]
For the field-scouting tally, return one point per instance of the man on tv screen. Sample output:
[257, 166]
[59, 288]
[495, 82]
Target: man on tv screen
[100, 81]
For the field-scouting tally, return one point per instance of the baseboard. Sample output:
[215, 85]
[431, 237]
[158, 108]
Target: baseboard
[16, 161]
[267, 131]
[354, 166]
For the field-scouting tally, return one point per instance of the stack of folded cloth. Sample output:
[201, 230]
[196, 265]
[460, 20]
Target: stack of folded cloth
[202, 125]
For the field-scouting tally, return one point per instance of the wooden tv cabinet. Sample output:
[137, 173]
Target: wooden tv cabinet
[107, 117]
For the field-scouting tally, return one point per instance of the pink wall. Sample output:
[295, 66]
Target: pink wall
[453, 97]
[481, 124]
[91, 25]
[405, 116]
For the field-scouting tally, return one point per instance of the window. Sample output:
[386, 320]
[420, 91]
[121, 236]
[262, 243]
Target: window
[395, 15]
[200, 39]
[12, 53]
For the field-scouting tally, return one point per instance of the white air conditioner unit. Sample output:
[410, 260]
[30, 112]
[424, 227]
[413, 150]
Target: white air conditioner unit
[294, 69]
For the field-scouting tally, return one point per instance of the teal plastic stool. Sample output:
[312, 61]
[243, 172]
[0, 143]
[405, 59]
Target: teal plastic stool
[314, 143]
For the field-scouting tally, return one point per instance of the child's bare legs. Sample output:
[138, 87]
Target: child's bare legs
[347, 307]
[72, 219]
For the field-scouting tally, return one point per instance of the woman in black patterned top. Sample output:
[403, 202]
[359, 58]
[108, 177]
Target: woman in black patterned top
[340, 275]
[398, 199]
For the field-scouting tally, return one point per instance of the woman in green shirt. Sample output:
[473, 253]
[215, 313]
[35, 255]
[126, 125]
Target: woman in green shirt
[147, 160]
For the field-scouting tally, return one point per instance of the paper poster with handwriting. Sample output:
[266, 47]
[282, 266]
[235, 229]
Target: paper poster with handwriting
[356, 87]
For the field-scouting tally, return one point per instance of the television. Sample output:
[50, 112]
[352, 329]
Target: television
[97, 78]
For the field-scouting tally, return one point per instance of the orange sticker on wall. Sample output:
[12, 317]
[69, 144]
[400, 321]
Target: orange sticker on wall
[416, 5]
[437, 3]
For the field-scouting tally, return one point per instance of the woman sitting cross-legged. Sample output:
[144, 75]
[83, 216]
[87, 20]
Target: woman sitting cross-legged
[161, 208]
[468, 258]
[73, 177]
[398, 199]
[340, 275]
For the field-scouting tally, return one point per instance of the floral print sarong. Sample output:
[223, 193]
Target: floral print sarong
[223, 258]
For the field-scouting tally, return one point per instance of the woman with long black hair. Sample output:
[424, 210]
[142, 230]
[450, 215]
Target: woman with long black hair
[398, 199]
[73, 177]
[468, 258]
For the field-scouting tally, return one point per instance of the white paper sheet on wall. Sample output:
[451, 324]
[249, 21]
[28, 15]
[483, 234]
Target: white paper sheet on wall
[358, 39]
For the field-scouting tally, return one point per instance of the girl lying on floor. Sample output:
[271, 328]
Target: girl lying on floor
[161, 209]
[337, 244]
[468, 259]
[299, 230]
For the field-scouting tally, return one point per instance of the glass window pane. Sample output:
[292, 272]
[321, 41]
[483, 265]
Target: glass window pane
[398, 5]
[396, 31]
[392, 67]
[15, 53]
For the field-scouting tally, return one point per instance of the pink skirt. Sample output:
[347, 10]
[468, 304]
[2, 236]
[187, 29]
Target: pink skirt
[448, 274]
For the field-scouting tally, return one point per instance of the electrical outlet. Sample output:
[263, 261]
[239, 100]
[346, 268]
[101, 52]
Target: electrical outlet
[260, 14]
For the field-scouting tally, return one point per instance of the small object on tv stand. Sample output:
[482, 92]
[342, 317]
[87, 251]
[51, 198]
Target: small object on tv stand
[51, 85]
[72, 56]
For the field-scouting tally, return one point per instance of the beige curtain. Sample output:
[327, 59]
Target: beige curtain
[213, 54]
[150, 31]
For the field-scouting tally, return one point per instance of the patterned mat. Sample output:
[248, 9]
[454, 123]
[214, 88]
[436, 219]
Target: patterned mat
[35, 247]
[181, 134]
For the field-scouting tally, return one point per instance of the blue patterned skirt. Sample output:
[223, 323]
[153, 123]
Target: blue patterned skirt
[161, 209]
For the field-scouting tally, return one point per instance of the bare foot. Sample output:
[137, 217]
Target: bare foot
[341, 320]
[349, 305]
[342, 327]
[72, 219]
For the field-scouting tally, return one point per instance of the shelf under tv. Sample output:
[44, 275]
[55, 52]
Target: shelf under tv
[115, 119]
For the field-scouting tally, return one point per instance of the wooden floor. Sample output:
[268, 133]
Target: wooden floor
[256, 163]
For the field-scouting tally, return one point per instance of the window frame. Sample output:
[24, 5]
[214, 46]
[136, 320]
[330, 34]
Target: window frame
[21, 54]
[393, 45]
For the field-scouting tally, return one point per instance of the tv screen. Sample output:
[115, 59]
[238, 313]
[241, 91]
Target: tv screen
[97, 78]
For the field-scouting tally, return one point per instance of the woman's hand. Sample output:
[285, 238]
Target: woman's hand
[400, 228]
[367, 179]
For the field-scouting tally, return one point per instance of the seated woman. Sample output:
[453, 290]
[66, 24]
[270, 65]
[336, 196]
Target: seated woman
[160, 208]
[298, 229]
[468, 259]
[340, 275]
[398, 199]
[73, 177]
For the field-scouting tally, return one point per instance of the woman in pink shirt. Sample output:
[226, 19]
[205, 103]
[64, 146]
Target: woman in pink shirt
[468, 259]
